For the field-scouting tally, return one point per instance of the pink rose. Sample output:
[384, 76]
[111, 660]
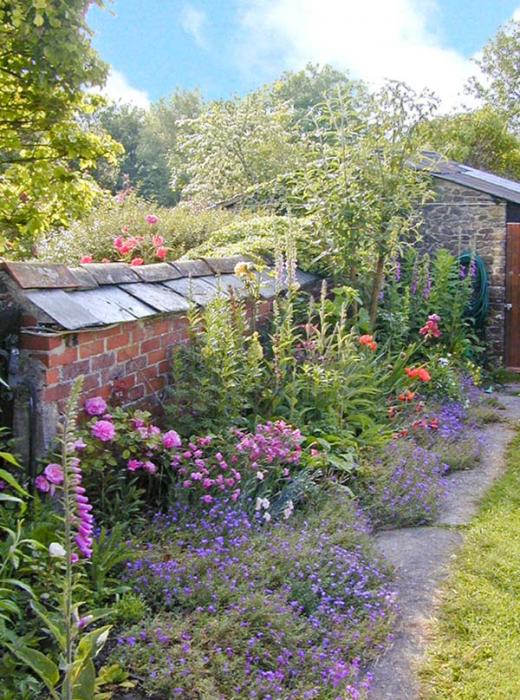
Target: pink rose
[186, 484]
[157, 241]
[207, 498]
[42, 484]
[103, 430]
[54, 473]
[96, 406]
[161, 252]
[79, 445]
[151, 219]
[150, 467]
[137, 261]
[171, 439]
[133, 464]
[86, 259]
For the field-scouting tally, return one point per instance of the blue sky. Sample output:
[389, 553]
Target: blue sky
[226, 47]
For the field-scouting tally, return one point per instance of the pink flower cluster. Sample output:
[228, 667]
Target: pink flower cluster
[52, 476]
[204, 473]
[103, 430]
[271, 443]
[431, 328]
[96, 406]
[134, 465]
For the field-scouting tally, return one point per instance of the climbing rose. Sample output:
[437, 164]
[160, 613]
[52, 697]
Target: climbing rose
[53, 473]
[133, 464]
[171, 439]
[86, 259]
[95, 406]
[157, 241]
[161, 252]
[137, 261]
[103, 430]
[151, 219]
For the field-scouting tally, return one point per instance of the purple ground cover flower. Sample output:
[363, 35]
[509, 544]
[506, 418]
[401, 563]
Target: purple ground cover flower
[293, 612]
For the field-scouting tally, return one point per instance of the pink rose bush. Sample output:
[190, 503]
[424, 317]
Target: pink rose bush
[136, 250]
[125, 452]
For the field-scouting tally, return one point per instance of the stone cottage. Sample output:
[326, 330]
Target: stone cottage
[478, 211]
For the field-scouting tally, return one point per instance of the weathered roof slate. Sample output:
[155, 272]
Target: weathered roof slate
[98, 294]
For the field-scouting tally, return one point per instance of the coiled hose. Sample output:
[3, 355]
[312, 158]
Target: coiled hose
[479, 304]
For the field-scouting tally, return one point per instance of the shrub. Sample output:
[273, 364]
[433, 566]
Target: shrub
[181, 227]
[260, 236]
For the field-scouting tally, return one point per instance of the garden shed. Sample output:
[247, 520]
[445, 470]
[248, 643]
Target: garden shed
[112, 323]
[477, 211]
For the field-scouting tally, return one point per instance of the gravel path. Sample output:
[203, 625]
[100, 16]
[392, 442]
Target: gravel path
[421, 557]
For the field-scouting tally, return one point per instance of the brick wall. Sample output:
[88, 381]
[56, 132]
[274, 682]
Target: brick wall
[129, 362]
[462, 219]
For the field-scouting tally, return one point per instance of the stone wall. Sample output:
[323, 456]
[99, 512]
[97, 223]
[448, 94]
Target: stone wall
[462, 219]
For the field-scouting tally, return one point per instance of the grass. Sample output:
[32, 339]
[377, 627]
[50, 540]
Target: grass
[475, 650]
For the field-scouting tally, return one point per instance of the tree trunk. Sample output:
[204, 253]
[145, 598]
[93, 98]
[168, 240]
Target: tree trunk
[376, 287]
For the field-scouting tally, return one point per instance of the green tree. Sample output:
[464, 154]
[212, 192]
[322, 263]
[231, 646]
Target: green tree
[158, 147]
[46, 62]
[359, 183]
[480, 138]
[124, 123]
[499, 84]
[234, 146]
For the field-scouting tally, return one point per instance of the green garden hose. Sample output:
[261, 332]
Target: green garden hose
[479, 305]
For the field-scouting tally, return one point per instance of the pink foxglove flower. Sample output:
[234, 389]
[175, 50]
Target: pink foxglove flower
[42, 484]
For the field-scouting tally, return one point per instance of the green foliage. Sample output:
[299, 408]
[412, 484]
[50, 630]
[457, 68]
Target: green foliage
[216, 378]
[182, 228]
[233, 146]
[45, 152]
[259, 236]
[475, 645]
[481, 138]
[129, 609]
[499, 85]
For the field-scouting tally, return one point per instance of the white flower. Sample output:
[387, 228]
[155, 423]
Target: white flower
[288, 510]
[262, 503]
[260, 476]
[267, 517]
[56, 550]
[443, 361]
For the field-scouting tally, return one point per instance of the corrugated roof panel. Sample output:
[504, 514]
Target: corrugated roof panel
[158, 296]
[111, 304]
[197, 289]
[63, 309]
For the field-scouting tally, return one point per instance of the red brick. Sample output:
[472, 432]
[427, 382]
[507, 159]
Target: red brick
[73, 370]
[138, 333]
[156, 356]
[56, 393]
[156, 384]
[135, 364]
[110, 332]
[40, 342]
[136, 393]
[124, 383]
[151, 344]
[128, 353]
[94, 347]
[102, 361]
[67, 357]
[165, 367]
[91, 382]
[52, 376]
[118, 341]
[162, 326]
[150, 371]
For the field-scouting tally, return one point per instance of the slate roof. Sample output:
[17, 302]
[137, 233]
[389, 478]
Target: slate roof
[466, 176]
[98, 294]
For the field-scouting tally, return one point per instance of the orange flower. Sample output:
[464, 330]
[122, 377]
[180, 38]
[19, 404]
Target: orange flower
[418, 373]
[407, 396]
[366, 339]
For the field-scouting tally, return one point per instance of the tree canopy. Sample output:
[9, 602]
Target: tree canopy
[46, 63]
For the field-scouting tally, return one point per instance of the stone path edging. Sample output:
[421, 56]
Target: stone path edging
[421, 557]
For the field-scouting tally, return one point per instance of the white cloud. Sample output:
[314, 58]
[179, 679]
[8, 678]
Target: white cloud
[372, 39]
[193, 22]
[117, 88]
